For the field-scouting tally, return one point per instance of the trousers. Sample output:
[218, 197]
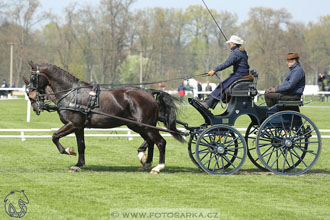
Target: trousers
[272, 98]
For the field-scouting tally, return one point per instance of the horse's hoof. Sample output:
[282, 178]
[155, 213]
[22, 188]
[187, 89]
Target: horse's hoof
[71, 151]
[154, 172]
[74, 169]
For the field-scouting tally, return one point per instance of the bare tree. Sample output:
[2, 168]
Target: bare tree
[266, 29]
[110, 26]
[23, 17]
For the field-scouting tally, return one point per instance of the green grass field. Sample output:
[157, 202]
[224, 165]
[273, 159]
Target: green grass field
[111, 178]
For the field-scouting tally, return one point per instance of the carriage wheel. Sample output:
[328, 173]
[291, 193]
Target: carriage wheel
[250, 139]
[288, 143]
[220, 150]
[191, 150]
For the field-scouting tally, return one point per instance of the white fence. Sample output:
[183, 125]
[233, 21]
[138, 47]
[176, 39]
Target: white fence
[113, 132]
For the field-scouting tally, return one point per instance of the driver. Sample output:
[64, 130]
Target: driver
[238, 58]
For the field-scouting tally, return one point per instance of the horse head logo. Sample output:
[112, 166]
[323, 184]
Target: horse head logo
[14, 199]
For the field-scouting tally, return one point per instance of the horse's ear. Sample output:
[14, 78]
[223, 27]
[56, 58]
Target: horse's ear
[42, 67]
[33, 65]
[25, 80]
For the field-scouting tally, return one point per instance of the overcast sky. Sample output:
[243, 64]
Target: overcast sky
[301, 10]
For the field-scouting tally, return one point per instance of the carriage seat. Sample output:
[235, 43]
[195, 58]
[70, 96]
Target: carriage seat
[290, 103]
[246, 86]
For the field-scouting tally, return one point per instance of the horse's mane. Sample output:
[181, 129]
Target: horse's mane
[59, 71]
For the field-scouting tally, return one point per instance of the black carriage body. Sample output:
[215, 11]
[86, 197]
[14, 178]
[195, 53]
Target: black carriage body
[241, 93]
[278, 139]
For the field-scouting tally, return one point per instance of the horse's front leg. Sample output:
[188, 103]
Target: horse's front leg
[62, 132]
[81, 150]
[81, 147]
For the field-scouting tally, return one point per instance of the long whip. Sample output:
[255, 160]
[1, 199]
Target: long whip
[223, 34]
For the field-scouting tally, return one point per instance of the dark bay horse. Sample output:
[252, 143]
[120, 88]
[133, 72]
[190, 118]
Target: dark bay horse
[135, 106]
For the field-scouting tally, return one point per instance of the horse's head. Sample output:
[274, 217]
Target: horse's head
[38, 79]
[32, 95]
[36, 87]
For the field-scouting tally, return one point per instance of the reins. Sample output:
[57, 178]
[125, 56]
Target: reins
[155, 82]
[58, 107]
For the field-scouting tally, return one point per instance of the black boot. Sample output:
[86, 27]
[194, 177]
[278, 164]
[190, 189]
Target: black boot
[202, 102]
[211, 102]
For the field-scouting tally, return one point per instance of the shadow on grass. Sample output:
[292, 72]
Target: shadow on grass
[311, 172]
[193, 170]
[134, 169]
[317, 172]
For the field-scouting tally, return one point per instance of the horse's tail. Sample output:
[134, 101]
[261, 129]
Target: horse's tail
[167, 112]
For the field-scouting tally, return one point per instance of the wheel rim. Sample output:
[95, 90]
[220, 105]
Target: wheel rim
[250, 139]
[191, 151]
[288, 143]
[220, 150]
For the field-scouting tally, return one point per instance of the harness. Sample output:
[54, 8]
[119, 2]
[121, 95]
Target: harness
[62, 104]
[93, 102]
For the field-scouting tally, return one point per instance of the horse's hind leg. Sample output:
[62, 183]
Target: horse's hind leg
[161, 144]
[141, 152]
[146, 161]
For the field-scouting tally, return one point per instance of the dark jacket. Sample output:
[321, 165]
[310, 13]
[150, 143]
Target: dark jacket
[181, 87]
[238, 59]
[294, 82]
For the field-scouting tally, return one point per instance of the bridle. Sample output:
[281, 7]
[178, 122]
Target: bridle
[40, 92]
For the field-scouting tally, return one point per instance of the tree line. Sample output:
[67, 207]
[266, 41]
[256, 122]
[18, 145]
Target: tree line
[109, 42]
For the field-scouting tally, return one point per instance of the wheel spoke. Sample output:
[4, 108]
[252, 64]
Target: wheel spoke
[206, 144]
[297, 155]
[283, 126]
[270, 156]
[309, 142]
[226, 137]
[276, 160]
[216, 163]
[273, 151]
[291, 124]
[230, 142]
[294, 165]
[226, 158]
[208, 166]
[235, 148]
[211, 157]
[285, 160]
[205, 155]
[301, 126]
[263, 145]
[234, 156]
[223, 164]
[305, 150]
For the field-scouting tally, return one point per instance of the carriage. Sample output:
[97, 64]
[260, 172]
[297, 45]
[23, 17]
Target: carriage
[279, 139]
